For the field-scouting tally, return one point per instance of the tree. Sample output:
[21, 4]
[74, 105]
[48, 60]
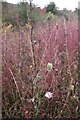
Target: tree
[65, 13]
[51, 8]
[23, 12]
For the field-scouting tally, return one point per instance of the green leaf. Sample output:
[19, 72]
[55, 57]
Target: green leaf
[49, 66]
[38, 77]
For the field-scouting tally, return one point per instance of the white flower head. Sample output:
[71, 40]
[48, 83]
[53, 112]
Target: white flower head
[35, 41]
[72, 87]
[31, 100]
[49, 95]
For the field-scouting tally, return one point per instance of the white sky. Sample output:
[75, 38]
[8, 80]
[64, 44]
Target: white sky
[69, 4]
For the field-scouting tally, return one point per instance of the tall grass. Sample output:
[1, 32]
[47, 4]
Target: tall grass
[27, 78]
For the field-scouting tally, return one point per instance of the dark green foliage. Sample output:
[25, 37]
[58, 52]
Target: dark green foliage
[51, 8]
[23, 12]
[9, 20]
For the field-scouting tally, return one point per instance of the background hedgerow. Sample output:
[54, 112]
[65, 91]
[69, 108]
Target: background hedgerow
[40, 68]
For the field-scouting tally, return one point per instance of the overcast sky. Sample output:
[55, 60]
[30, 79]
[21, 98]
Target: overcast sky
[69, 4]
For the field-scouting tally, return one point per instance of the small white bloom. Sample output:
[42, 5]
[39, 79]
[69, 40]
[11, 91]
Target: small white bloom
[35, 41]
[32, 99]
[75, 97]
[72, 87]
[49, 95]
[56, 70]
